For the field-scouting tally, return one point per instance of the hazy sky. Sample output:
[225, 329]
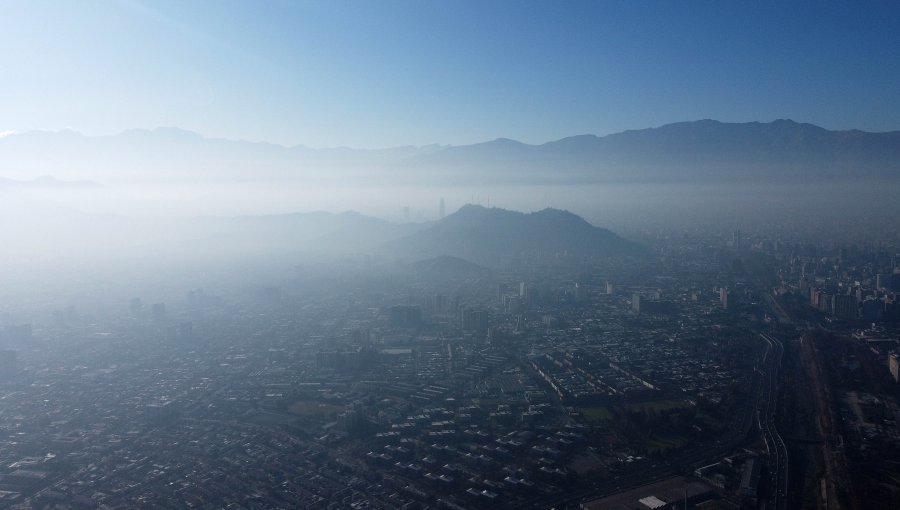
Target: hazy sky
[386, 73]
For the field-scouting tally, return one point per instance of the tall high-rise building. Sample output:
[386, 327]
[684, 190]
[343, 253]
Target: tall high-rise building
[437, 303]
[723, 297]
[826, 301]
[844, 306]
[578, 293]
[513, 304]
[736, 239]
[475, 319]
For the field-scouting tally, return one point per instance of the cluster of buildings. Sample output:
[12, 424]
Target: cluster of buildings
[515, 390]
[845, 284]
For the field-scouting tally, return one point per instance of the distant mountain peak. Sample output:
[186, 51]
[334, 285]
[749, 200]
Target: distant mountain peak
[547, 212]
[471, 208]
[491, 235]
[508, 141]
[561, 213]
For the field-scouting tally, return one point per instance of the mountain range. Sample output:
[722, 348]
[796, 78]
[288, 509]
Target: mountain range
[492, 237]
[698, 151]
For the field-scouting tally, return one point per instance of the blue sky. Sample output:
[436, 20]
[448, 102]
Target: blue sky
[387, 73]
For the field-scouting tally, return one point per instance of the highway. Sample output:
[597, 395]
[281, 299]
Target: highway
[777, 454]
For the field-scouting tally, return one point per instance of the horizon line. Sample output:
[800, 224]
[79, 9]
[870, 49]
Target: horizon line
[11, 133]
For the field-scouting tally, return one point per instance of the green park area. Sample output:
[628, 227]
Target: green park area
[596, 415]
[658, 406]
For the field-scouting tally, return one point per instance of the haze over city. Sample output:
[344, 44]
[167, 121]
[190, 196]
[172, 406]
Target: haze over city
[420, 255]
